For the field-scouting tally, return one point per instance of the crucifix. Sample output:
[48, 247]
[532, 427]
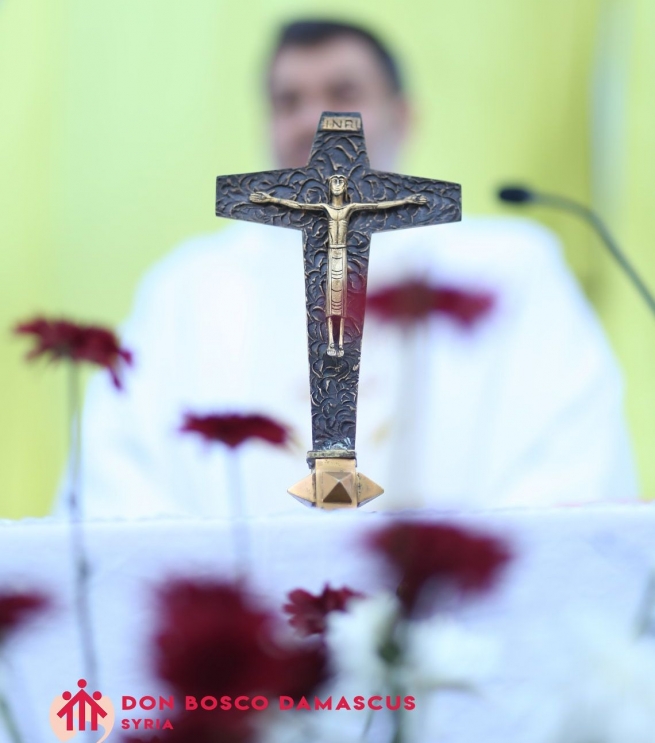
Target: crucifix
[337, 201]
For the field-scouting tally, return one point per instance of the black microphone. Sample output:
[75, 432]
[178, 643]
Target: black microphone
[522, 195]
[515, 194]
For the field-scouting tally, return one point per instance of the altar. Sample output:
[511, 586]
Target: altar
[593, 560]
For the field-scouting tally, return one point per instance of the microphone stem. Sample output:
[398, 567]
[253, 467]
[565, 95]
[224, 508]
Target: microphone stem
[601, 229]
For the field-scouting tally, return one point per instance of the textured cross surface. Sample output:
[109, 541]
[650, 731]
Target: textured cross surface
[338, 202]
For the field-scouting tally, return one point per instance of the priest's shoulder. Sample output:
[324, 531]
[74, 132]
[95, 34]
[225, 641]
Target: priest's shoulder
[210, 255]
[495, 249]
[512, 241]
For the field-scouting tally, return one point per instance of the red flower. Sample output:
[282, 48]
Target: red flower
[308, 613]
[233, 429]
[61, 339]
[415, 300]
[17, 608]
[213, 640]
[439, 557]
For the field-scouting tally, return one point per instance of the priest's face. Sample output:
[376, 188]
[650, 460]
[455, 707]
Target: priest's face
[341, 74]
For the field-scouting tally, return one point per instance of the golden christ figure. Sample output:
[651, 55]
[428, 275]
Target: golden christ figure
[338, 211]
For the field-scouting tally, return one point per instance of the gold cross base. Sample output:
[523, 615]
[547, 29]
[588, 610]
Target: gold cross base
[335, 483]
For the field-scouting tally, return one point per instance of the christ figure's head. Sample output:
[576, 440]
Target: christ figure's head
[338, 185]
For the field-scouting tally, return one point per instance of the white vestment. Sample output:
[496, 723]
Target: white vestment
[525, 408]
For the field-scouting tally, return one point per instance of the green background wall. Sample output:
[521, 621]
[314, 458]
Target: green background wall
[117, 116]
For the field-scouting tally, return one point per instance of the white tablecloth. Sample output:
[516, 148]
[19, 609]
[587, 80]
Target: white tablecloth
[597, 557]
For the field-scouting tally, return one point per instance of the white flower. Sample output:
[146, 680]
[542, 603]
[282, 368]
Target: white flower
[438, 652]
[441, 654]
[608, 695]
[354, 639]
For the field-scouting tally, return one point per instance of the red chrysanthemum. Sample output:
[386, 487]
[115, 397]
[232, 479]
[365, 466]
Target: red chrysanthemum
[234, 429]
[429, 558]
[213, 639]
[414, 300]
[308, 613]
[16, 608]
[61, 339]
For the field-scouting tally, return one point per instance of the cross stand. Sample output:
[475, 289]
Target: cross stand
[338, 202]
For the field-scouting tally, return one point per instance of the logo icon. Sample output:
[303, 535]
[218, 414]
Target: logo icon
[71, 713]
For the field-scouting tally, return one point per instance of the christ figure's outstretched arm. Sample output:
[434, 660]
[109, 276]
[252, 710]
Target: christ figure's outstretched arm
[261, 197]
[414, 199]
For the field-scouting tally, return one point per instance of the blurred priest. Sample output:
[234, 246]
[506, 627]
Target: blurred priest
[517, 403]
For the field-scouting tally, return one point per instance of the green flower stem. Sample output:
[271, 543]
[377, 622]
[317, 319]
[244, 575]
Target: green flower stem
[647, 609]
[8, 719]
[396, 690]
[393, 650]
[7, 716]
[399, 732]
[78, 547]
[240, 533]
[367, 724]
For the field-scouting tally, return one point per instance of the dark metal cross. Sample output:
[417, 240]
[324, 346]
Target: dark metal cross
[337, 201]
